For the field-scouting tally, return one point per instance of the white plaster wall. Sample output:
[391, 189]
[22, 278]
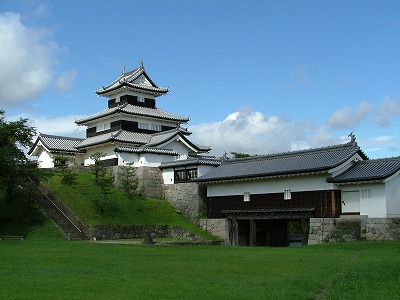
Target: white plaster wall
[108, 150]
[374, 207]
[45, 160]
[393, 196]
[153, 160]
[276, 185]
[168, 175]
[178, 147]
[351, 201]
[128, 158]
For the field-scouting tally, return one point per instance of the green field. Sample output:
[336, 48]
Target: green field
[56, 269]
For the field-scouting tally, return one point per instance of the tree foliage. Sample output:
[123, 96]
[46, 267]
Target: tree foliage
[233, 155]
[98, 166]
[127, 180]
[240, 155]
[61, 161]
[15, 167]
[103, 181]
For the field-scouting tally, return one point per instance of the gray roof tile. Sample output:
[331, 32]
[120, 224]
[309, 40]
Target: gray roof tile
[134, 111]
[135, 79]
[120, 136]
[57, 143]
[374, 169]
[192, 161]
[311, 160]
[145, 150]
[149, 140]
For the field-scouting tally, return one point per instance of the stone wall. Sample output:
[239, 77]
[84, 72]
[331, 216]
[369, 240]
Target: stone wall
[188, 198]
[113, 232]
[149, 179]
[150, 182]
[350, 228]
[217, 227]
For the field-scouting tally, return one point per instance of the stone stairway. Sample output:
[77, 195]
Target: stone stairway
[61, 216]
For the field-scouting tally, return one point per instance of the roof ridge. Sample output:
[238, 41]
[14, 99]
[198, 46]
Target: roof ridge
[380, 159]
[293, 153]
[59, 136]
[123, 75]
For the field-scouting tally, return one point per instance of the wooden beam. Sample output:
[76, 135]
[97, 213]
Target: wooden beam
[252, 233]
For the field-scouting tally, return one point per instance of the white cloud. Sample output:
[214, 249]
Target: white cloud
[65, 80]
[383, 139]
[348, 118]
[389, 109]
[252, 132]
[64, 126]
[27, 58]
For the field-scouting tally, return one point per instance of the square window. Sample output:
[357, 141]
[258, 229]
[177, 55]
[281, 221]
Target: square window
[366, 193]
[246, 196]
[287, 195]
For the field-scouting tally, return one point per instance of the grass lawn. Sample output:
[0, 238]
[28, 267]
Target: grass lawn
[55, 269]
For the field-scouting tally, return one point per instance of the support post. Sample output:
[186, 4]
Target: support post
[253, 233]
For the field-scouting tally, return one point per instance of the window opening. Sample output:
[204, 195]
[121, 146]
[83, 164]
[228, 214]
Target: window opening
[246, 196]
[287, 195]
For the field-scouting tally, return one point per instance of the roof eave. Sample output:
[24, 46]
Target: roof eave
[156, 91]
[259, 176]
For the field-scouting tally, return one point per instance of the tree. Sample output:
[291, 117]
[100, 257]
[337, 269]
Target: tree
[14, 164]
[127, 180]
[235, 155]
[61, 160]
[98, 166]
[240, 155]
[103, 181]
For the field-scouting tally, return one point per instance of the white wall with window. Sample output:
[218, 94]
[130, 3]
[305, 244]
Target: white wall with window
[366, 199]
[392, 190]
[271, 185]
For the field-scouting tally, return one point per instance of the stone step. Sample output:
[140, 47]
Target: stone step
[60, 219]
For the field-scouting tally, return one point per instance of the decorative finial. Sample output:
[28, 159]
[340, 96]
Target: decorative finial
[352, 137]
[123, 70]
[141, 64]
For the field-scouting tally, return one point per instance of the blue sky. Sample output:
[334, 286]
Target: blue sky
[253, 76]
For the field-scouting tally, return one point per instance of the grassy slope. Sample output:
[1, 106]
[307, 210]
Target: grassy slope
[60, 269]
[138, 211]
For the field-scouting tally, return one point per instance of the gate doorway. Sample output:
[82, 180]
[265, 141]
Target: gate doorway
[268, 232]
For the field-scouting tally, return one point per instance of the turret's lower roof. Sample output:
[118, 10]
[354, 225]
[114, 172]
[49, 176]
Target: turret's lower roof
[56, 143]
[369, 170]
[133, 110]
